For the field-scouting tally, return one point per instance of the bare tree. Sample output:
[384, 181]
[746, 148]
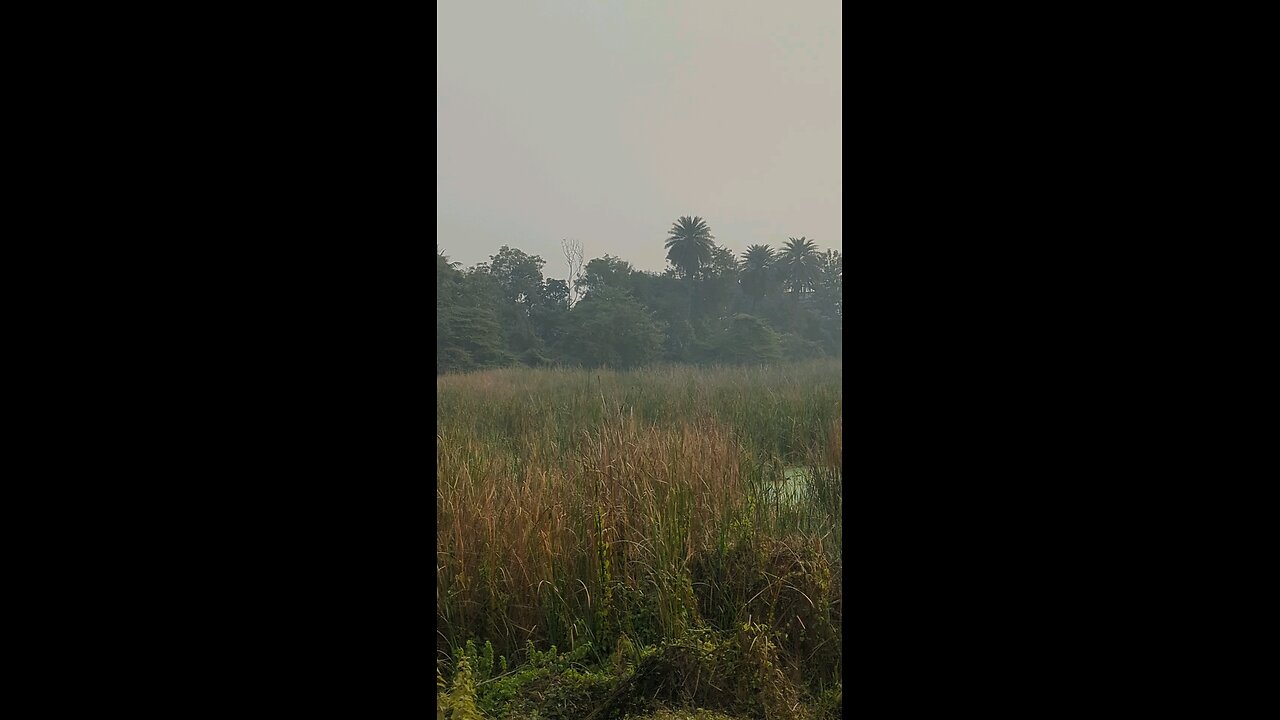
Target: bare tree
[573, 254]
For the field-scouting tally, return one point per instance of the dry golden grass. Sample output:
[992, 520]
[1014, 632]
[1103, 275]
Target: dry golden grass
[572, 506]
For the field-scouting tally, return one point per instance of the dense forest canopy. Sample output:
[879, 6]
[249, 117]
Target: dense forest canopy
[709, 306]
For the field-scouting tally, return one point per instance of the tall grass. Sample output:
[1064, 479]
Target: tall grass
[581, 507]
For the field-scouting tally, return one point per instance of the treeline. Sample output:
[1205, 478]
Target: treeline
[709, 306]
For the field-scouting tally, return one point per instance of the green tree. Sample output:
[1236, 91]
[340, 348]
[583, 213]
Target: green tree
[829, 286]
[799, 265]
[607, 271]
[610, 327]
[664, 296]
[828, 300]
[718, 282]
[468, 333]
[448, 280]
[689, 243]
[518, 278]
[757, 262]
[469, 338]
[749, 340]
[550, 319]
[519, 275]
[503, 310]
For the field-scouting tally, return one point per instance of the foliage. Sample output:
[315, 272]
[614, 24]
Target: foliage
[504, 312]
[460, 702]
[750, 340]
[689, 245]
[469, 338]
[519, 276]
[614, 329]
[613, 543]
[757, 267]
[799, 265]
[606, 272]
[709, 674]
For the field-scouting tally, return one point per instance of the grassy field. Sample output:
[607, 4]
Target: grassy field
[632, 544]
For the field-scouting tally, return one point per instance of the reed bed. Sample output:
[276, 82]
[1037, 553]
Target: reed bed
[597, 510]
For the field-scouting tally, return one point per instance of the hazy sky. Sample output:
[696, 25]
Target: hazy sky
[606, 120]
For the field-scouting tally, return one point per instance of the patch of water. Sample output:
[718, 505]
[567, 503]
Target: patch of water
[790, 489]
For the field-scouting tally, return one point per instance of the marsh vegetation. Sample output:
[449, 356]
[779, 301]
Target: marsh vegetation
[662, 542]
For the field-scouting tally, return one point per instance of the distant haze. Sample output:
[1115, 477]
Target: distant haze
[606, 121]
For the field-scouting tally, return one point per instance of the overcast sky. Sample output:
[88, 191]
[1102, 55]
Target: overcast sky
[606, 120]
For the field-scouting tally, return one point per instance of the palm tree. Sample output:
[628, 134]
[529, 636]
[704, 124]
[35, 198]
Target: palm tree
[799, 265]
[689, 243]
[828, 289]
[756, 262]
